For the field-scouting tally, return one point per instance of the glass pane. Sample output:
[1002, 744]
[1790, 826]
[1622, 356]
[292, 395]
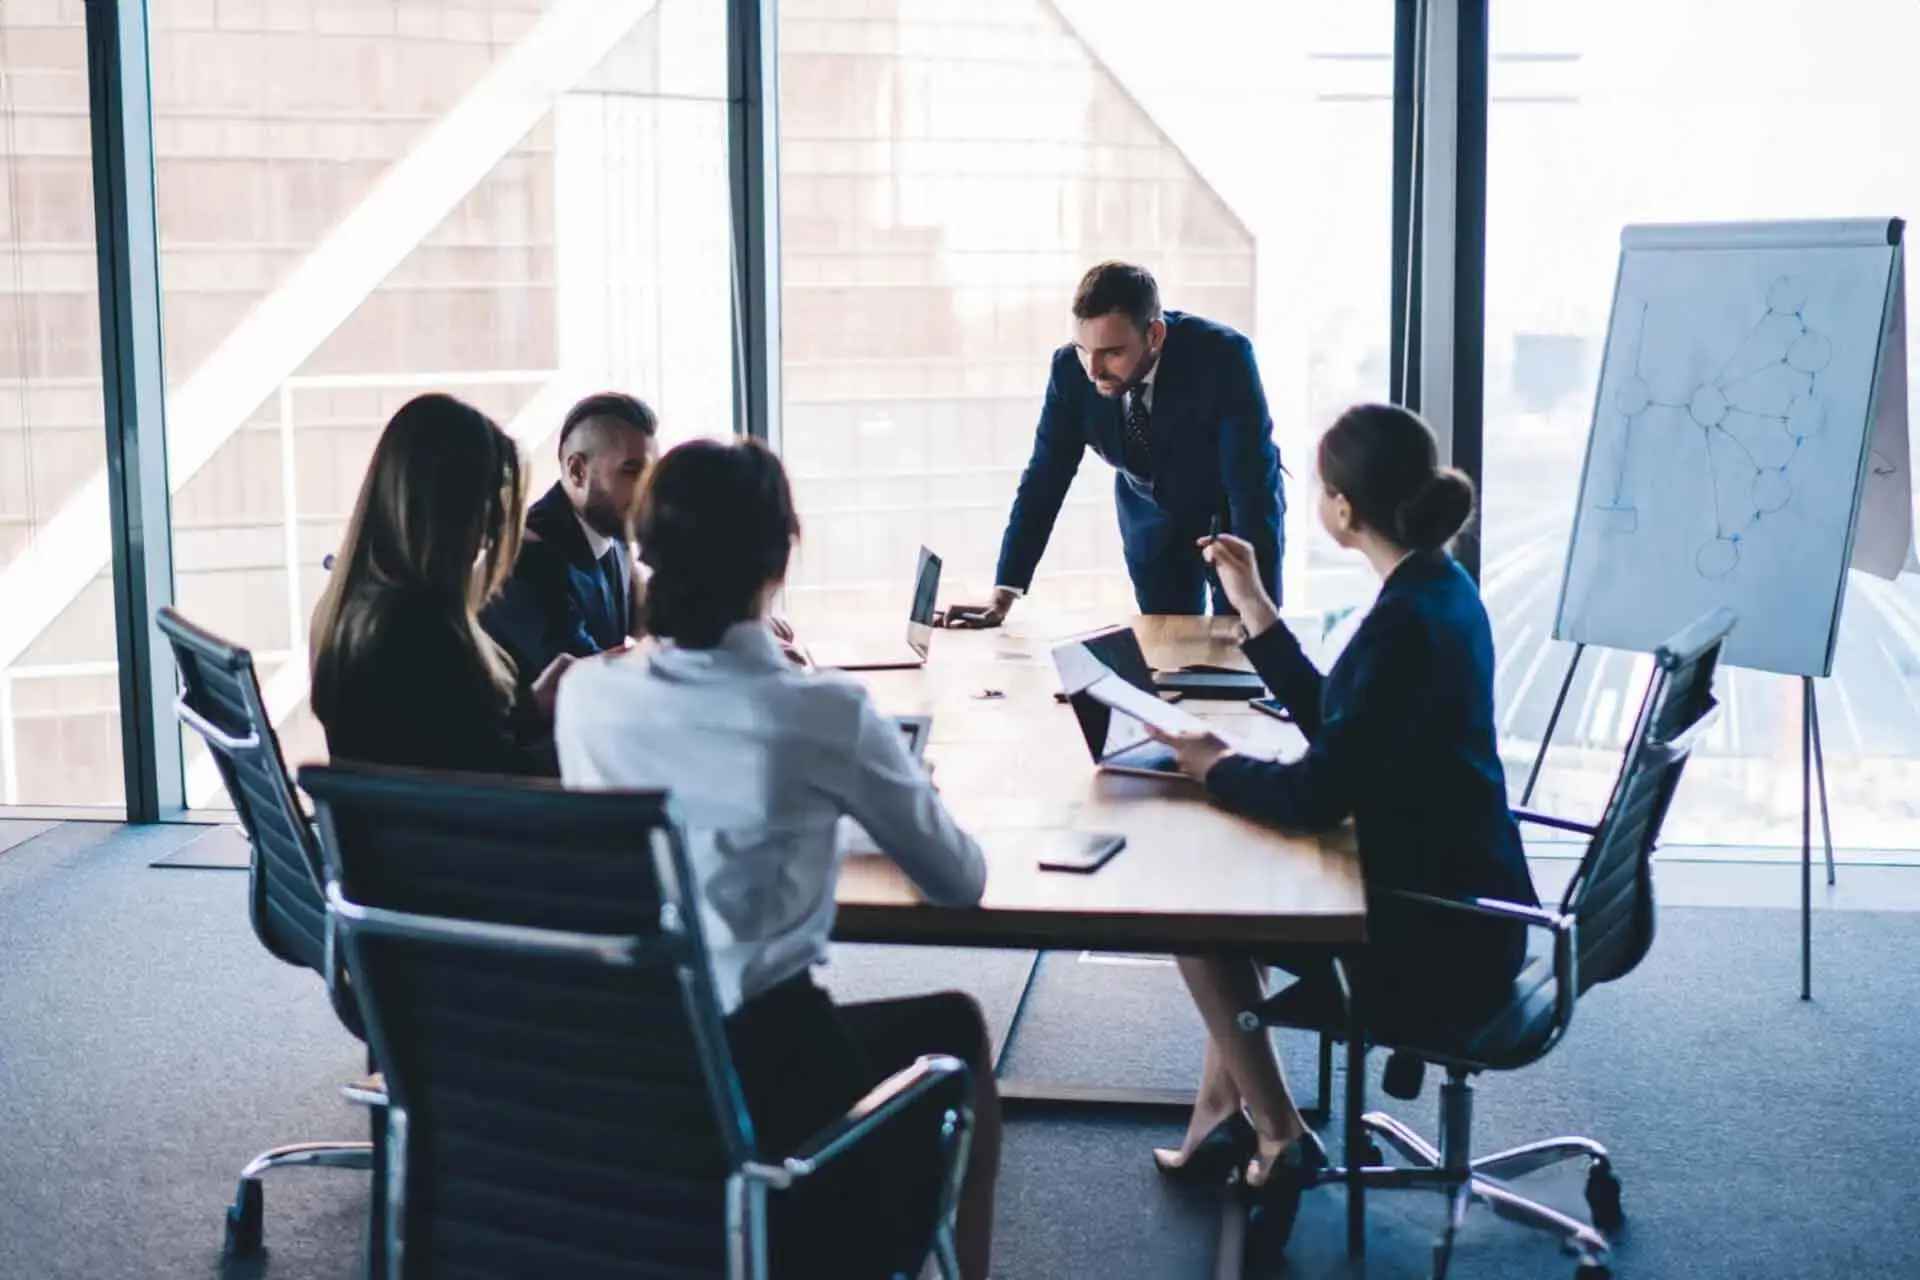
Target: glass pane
[949, 171]
[514, 201]
[1679, 110]
[59, 687]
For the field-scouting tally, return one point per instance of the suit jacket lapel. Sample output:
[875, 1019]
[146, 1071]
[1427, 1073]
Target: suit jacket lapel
[552, 519]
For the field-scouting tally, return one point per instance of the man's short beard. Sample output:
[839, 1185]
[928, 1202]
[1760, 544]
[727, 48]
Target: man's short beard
[1140, 374]
[603, 517]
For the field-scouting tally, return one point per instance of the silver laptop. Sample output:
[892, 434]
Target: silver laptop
[903, 655]
[1117, 742]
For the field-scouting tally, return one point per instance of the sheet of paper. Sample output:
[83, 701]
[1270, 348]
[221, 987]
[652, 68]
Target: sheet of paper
[1167, 717]
[1883, 540]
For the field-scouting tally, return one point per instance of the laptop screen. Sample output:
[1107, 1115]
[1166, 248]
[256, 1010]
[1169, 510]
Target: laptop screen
[1118, 650]
[926, 593]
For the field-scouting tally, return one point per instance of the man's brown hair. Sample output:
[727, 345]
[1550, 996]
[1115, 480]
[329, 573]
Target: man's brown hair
[1118, 286]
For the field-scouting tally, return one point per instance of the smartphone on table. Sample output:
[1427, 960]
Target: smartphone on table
[1082, 851]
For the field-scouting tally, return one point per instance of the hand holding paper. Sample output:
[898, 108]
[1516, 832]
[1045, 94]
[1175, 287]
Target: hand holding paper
[1194, 753]
[1165, 721]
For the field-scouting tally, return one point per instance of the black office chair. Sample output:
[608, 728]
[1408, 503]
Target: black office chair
[220, 700]
[531, 964]
[1603, 927]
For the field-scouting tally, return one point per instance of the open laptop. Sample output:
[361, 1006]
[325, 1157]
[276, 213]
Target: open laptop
[903, 655]
[1118, 742]
[1111, 690]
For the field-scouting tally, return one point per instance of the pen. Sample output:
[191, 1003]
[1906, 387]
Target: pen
[1213, 534]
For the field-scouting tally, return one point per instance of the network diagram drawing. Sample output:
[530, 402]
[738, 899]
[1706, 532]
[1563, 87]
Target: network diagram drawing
[1753, 418]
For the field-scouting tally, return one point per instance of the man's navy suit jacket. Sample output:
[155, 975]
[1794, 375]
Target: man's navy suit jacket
[557, 599]
[1213, 454]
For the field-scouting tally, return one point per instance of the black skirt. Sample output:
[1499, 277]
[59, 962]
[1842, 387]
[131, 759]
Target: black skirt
[802, 1062]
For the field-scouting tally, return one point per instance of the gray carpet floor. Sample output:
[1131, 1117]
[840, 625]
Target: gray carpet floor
[148, 1048]
[15, 831]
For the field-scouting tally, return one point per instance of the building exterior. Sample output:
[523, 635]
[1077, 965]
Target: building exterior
[518, 201]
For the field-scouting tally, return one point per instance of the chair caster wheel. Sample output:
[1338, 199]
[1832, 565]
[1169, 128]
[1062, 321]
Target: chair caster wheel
[244, 1217]
[1371, 1155]
[1603, 1198]
[1593, 1271]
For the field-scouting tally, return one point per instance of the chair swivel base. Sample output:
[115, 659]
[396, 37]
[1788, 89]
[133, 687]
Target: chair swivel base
[1488, 1183]
[244, 1215]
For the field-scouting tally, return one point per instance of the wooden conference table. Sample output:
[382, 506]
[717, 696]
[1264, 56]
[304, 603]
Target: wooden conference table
[1191, 878]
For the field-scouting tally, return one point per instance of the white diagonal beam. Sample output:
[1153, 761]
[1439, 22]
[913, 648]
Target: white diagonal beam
[287, 326]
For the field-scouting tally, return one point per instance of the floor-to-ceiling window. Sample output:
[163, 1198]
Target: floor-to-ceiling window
[516, 201]
[949, 171]
[59, 690]
[1662, 111]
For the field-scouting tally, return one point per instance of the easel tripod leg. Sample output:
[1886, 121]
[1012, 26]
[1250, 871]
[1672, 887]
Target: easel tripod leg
[1553, 721]
[1806, 838]
[1820, 775]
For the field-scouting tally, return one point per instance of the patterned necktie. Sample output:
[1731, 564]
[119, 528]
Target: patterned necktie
[1138, 440]
[614, 574]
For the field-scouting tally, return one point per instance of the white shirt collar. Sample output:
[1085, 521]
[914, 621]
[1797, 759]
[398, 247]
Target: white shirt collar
[750, 645]
[597, 541]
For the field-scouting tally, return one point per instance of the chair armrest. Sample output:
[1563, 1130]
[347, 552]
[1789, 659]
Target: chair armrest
[935, 1081]
[217, 738]
[1560, 925]
[1548, 820]
[370, 1091]
[1540, 917]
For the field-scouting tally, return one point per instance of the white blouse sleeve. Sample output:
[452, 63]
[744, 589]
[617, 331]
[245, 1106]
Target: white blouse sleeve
[890, 794]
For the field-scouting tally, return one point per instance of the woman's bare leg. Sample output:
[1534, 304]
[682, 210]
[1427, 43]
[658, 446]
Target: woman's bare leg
[1216, 1098]
[1222, 988]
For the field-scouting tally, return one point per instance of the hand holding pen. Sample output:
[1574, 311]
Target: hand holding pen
[1233, 559]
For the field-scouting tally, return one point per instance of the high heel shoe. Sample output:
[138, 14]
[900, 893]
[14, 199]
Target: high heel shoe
[1226, 1146]
[1274, 1201]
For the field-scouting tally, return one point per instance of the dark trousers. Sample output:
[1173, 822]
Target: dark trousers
[803, 1061]
[1163, 557]
[1177, 581]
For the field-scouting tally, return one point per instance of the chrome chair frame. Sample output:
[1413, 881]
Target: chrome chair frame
[1656, 753]
[250, 749]
[935, 1080]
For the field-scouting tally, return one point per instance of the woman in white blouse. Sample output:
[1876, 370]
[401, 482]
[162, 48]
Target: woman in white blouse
[763, 759]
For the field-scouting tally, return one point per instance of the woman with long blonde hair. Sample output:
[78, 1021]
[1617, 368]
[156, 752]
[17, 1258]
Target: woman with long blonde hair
[402, 672]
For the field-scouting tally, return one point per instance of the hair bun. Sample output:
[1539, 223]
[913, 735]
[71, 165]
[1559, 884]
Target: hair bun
[1436, 511]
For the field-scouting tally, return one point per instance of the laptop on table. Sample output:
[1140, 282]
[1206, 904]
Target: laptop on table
[902, 655]
[1111, 690]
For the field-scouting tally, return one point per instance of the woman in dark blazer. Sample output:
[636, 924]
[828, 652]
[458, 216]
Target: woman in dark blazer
[402, 672]
[1400, 738]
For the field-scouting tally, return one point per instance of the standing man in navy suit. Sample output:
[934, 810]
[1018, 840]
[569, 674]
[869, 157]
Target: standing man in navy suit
[575, 587]
[1174, 403]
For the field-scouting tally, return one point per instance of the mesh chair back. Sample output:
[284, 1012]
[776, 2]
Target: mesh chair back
[220, 699]
[536, 991]
[1611, 896]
